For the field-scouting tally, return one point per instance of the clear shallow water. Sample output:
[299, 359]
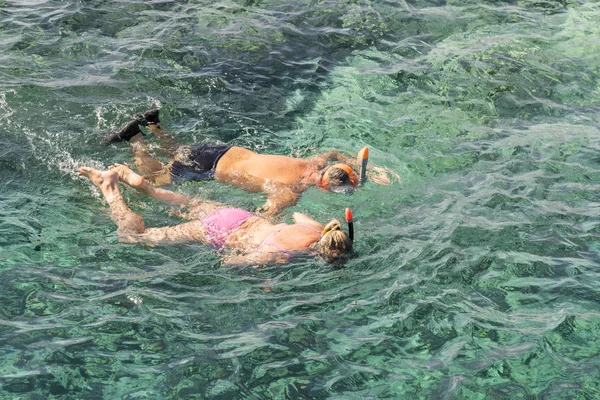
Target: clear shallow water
[476, 276]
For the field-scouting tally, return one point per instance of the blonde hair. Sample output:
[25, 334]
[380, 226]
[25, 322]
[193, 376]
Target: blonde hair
[334, 244]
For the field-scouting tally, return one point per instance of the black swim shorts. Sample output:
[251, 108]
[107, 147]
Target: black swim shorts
[200, 163]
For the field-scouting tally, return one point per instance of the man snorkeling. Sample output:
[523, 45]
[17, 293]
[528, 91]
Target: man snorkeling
[282, 178]
[252, 239]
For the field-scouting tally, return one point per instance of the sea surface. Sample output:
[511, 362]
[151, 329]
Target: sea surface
[476, 275]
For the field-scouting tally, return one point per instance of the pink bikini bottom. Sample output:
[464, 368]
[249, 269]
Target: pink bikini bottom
[222, 222]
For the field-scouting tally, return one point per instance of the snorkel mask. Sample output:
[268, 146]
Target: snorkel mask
[343, 189]
[355, 181]
[325, 184]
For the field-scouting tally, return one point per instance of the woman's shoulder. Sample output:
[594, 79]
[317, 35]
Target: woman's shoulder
[305, 220]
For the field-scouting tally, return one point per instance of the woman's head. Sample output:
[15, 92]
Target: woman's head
[339, 176]
[334, 244]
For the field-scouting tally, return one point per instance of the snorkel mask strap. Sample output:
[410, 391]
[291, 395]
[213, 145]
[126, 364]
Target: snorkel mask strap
[322, 179]
[350, 223]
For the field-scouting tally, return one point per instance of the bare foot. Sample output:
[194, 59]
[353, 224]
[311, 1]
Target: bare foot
[126, 175]
[105, 180]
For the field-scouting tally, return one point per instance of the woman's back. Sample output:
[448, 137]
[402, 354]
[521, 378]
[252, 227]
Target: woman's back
[260, 235]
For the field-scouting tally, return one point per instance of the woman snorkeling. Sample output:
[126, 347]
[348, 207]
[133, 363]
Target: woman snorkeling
[252, 238]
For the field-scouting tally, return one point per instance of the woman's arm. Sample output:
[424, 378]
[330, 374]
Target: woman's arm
[186, 232]
[256, 259]
[304, 219]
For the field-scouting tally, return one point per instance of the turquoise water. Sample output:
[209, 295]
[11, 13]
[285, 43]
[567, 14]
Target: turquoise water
[476, 276]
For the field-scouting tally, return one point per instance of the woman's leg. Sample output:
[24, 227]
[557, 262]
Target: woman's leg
[130, 178]
[128, 222]
[198, 207]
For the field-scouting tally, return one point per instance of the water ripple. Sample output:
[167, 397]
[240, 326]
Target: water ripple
[475, 274]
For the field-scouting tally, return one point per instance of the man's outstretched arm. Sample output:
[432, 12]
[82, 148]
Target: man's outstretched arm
[279, 195]
[321, 160]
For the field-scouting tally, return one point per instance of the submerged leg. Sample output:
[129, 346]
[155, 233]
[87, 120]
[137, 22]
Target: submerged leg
[151, 120]
[128, 222]
[168, 145]
[150, 167]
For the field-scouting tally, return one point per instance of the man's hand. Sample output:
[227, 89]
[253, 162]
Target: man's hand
[278, 198]
[382, 176]
[379, 175]
[268, 209]
[277, 201]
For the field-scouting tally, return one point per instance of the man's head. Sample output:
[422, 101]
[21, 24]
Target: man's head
[339, 178]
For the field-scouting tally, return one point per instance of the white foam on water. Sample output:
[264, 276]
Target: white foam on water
[50, 153]
[154, 103]
[101, 120]
[7, 112]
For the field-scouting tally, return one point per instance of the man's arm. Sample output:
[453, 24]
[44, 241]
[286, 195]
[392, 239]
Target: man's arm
[277, 200]
[279, 195]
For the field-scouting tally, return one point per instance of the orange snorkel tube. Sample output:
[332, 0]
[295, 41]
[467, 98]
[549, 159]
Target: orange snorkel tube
[362, 159]
[350, 224]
